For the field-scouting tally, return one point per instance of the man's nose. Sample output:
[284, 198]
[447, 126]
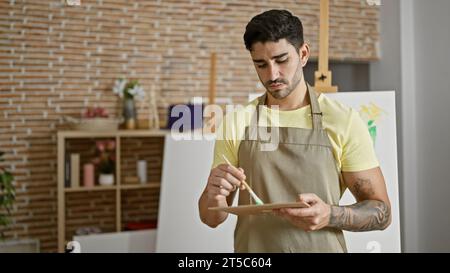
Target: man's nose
[274, 72]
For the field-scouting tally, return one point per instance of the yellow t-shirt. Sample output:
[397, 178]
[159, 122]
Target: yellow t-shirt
[352, 145]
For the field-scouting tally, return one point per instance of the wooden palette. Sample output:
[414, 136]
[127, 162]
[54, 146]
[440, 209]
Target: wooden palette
[257, 209]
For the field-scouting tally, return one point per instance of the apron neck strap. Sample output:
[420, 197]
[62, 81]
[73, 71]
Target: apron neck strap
[316, 114]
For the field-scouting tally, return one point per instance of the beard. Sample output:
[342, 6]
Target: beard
[290, 86]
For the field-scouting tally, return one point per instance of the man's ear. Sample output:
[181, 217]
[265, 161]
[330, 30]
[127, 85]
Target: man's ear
[304, 54]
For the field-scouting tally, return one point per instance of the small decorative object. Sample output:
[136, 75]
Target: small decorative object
[152, 119]
[105, 161]
[153, 112]
[142, 171]
[128, 91]
[131, 180]
[94, 119]
[106, 179]
[88, 230]
[94, 112]
[88, 175]
[140, 225]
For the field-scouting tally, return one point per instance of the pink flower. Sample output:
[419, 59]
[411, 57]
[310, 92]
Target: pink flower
[100, 146]
[105, 160]
[95, 112]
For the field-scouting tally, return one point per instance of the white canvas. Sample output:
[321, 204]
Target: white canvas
[141, 241]
[186, 168]
[387, 240]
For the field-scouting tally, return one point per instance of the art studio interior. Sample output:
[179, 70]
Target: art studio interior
[112, 114]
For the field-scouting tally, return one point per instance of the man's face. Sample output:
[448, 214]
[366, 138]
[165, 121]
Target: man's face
[279, 66]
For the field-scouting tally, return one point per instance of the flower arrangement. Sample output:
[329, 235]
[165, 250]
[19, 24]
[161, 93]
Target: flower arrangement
[128, 89]
[105, 160]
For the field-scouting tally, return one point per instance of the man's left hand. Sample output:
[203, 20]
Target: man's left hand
[315, 217]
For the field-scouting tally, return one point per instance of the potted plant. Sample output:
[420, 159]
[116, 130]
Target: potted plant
[128, 90]
[105, 161]
[7, 197]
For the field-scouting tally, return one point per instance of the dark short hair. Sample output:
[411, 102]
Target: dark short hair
[273, 25]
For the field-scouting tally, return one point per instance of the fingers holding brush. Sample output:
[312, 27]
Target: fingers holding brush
[242, 187]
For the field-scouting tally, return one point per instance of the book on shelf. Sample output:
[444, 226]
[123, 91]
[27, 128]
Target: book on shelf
[74, 170]
[67, 172]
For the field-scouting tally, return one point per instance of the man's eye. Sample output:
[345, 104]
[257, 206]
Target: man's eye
[261, 65]
[282, 61]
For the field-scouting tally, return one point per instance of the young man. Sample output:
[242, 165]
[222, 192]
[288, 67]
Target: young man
[324, 147]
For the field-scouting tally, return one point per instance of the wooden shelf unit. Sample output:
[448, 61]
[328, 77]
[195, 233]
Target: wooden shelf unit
[153, 185]
[118, 187]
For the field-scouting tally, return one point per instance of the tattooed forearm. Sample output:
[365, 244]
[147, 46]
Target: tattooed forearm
[363, 216]
[368, 214]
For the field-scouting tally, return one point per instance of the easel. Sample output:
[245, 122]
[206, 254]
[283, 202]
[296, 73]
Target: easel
[322, 77]
[210, 122]
[153, 118]
[212, 79]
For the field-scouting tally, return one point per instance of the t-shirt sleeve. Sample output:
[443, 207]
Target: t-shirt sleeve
[358, 152]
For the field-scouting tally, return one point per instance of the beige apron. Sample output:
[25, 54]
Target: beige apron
[302, 163]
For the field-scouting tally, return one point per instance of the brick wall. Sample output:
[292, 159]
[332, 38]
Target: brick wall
[56, 59]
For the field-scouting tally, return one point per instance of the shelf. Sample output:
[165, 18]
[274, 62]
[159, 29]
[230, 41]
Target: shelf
[153, 185]
[131, 145]
[119, 133]
[95, 188]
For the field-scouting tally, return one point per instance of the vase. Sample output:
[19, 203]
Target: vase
[142, 171]
[129, 113]
[88, 175]
[106, 179]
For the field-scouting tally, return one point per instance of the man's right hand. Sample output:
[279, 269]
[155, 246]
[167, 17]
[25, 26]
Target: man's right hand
[223, 180]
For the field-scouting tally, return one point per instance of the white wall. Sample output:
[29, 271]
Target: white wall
[415, 61]
[432, 78]
[386, 75]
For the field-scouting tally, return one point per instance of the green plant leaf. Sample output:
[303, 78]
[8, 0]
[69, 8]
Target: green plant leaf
[7, 196]
[8, 176]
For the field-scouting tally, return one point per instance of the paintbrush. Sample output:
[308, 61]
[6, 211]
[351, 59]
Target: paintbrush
[252, 193]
